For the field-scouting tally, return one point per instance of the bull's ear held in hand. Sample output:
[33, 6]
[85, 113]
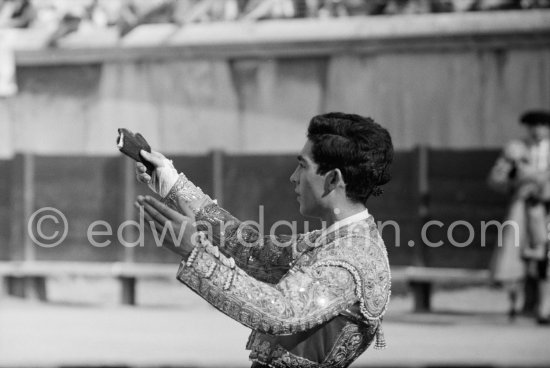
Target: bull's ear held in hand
[131, 144]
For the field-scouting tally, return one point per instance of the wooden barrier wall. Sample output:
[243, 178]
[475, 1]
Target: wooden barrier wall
[427, 184]
[457, 191]
[5, 207]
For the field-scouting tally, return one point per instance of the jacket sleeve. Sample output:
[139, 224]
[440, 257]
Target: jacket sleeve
[304, 298]
[266, 258]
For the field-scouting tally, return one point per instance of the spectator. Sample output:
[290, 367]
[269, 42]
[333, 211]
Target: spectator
[8, 86]
[407, 7]
[496, 4]
[66, 16]
[16, 13]
[442, 6]
[523, 171]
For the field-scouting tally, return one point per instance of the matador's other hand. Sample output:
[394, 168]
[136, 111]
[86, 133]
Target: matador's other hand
[172, 229]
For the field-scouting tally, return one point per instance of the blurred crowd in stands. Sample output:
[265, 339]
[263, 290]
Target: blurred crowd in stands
[126, 14]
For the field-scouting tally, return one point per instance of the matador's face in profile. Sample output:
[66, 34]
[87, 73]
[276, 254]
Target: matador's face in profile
[309, 185]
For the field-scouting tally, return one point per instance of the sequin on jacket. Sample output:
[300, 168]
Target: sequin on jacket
[313, 300]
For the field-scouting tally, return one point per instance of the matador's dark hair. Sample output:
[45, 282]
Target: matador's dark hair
[358, 146]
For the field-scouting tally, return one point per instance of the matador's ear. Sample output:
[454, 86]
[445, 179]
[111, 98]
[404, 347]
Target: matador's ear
[333, 180]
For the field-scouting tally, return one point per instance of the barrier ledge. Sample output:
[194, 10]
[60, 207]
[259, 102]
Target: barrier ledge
[313, 37]
[87, 269]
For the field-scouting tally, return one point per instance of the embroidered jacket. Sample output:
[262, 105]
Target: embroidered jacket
[313, 300]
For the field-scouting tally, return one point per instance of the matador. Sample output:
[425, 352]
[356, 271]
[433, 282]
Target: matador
[315, 299]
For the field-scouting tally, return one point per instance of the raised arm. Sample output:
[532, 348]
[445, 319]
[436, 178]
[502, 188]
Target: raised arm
[266, 258]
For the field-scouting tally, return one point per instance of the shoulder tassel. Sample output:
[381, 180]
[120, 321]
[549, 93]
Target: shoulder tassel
[380, 340]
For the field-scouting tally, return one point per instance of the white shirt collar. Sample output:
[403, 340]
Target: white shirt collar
[360, 216]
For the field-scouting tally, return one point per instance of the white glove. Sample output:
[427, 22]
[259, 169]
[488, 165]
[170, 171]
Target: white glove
[163, 177]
